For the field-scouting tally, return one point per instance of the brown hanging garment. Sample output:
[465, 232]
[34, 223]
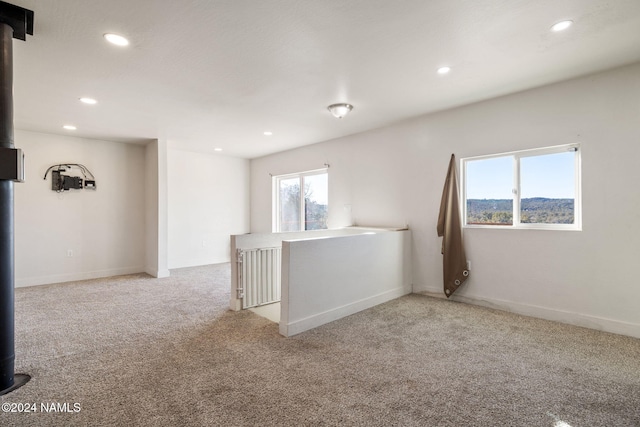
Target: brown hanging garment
[450, 229]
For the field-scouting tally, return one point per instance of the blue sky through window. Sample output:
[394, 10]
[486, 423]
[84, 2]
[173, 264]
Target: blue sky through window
[318, 188]
[550, 176]
[490, 178]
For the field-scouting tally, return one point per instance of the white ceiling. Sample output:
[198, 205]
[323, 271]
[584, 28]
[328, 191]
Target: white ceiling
[218, 73]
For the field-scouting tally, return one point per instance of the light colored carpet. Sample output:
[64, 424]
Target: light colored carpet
[139, 351]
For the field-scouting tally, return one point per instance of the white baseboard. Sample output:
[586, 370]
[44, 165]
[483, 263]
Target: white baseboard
[568, 317]
[72, 277]
[197, 262]
[301, 325]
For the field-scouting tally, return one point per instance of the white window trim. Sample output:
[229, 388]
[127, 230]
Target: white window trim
[517, 155]
[275, 185]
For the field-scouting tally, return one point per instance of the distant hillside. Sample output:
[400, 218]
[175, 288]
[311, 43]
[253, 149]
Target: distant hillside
[536, 210]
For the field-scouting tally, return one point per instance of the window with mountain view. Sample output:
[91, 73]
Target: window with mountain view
[301, 201]
[526, 189]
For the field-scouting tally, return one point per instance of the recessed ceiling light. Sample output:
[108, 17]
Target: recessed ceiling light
[268, 133]
[217, 149]
[116, 39]
[69, 127]
[561, 26]
[444, 70]
[89, 101]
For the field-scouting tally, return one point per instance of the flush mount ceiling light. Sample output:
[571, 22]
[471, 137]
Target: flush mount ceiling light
[340, 110]
[69, 127]
[561, 26]
[89, 101]
[116, 39]
[444, 70]
[268, 133]
[217, 149]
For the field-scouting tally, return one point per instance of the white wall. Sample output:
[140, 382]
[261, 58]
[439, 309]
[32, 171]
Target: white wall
[208, 201]
[394, 176]
[128, 224]
[156, 221]
[326, 279]
[274, 240]
[104, 228]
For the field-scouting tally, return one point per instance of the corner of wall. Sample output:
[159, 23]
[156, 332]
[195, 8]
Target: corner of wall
[156, 208]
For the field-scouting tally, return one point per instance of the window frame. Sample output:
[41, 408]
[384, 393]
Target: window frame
[516, 191]
[275, 182]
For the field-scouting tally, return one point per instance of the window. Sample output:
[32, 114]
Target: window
[301, 201]
[526, 189]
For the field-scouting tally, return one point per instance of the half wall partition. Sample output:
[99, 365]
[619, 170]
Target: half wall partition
[320, 276]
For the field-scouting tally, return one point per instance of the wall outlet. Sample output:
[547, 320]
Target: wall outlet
[70, 253]
[468, 265]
